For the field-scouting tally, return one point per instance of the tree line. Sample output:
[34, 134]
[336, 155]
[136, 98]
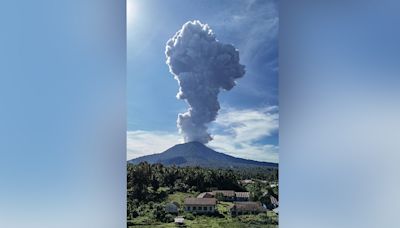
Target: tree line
[145, 178]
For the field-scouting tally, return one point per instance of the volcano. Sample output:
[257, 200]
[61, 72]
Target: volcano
[197, 154]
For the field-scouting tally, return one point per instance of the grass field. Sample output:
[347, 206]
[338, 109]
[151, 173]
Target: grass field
[179, 197]
[213, 222]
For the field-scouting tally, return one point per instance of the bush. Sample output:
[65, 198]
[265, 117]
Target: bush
[189, 216]
[162, 195]
[134, 214]
[219, 196]
[193, 189]
[159, 213]
[169, 218]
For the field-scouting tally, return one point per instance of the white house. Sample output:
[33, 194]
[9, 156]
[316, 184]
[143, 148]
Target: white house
[200, 205]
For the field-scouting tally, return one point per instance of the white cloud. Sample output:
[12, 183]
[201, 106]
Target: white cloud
[235, 132]
[140, 143]
[242, 130]
[249, 124]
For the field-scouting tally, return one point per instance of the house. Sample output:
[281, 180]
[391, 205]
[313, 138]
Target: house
[274, 201]
[200, 205]
[206, 195]
[247, 181]
[172, 208]
[242, 196]
[226, 195]
[241, 208]
[273, 184]
[179, 220]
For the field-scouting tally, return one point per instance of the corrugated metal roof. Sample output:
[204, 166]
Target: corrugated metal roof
[200, 201]
[205, 195]
[247, 206]
[226, 193]
[242, 194]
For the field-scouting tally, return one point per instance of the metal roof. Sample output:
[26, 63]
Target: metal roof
[242, 194]
[200, 201]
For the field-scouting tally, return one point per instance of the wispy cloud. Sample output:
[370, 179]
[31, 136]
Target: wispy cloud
[239, 133]
[140, 143]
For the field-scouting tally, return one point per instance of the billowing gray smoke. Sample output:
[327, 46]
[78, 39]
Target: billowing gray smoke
[202, 66]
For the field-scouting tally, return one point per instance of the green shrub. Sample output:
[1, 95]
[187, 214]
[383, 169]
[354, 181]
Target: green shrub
[168, 218]
[189, 216]
[134, 214]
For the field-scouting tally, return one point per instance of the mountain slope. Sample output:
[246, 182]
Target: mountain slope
[197, 154]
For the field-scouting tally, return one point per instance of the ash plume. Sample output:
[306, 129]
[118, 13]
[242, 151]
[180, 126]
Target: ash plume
[202, 66]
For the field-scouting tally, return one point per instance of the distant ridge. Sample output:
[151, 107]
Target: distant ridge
[197, 154]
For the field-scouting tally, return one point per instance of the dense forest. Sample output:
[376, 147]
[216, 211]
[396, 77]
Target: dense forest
[145, 179]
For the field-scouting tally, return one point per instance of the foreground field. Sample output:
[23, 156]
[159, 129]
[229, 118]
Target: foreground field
[243, 221]
[222, 219]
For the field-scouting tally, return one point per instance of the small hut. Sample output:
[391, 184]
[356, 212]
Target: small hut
[179, 220]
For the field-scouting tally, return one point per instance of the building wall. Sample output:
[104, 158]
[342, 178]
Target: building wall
[242, 199]
[200, 209]
[245, 212]
[229, 198]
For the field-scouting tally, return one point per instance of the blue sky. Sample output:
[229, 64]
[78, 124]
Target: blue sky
[247, 125]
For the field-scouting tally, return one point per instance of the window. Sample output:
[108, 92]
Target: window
[205, 208]
[194, 208]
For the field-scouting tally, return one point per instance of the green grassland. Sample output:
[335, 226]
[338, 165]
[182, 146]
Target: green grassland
[179, 197]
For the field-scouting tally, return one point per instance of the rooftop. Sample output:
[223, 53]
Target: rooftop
[226, 193]
[242, 194]
[205, 195]
[179, 220]
[200, 201]
[245, 206]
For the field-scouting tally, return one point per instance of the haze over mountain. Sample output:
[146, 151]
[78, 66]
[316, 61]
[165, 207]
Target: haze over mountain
[197, 154]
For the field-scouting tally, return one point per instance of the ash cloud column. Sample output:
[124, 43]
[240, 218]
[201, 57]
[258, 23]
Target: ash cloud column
[202, 66]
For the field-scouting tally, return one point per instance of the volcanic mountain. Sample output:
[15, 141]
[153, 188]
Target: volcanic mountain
[197, 154]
